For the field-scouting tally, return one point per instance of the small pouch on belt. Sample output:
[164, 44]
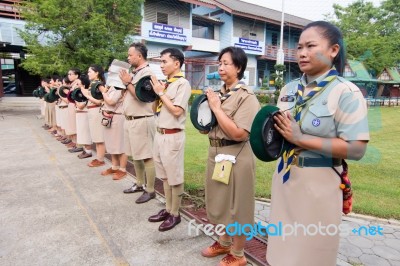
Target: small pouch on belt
[223, 168]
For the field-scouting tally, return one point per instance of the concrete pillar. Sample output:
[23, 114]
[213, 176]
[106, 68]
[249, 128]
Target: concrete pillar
[1, 82]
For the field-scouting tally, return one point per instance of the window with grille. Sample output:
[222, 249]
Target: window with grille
[162, 18]
[274, 39]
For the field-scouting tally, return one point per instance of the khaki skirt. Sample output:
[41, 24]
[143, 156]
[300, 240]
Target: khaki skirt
[310, 197]
[234, 202]
[114, 135]
[96, 129]
[82, 128]
[70, 126]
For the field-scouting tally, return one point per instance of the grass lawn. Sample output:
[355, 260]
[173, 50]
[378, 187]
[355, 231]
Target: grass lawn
[375, 178]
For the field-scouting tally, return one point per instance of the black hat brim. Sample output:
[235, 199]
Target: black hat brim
[78, 96]
[144, 90]
[95, 91]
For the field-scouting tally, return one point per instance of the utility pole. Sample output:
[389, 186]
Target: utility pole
[280, 59]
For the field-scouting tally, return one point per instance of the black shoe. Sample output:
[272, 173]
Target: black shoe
[76, 149]
[67, 141]
[135, 188]
[169, 223]
[146, 196]
[160, 216]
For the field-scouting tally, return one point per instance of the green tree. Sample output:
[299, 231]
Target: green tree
[61, 34]
[371, 33]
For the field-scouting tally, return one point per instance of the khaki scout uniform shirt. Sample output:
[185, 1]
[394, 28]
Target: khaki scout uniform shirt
[179, 93]
[131, 105]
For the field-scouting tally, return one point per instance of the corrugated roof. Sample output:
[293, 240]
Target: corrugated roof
[265, 14]
[361, 73]
[394, 74]
[207, 19]
[245, 9]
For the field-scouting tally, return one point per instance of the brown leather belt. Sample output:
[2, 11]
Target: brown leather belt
[222, 142]
[111, 112]
[129, 117]
[92, 106]
[62, 106]
[301, 162]
[79, 111]
[168, 131]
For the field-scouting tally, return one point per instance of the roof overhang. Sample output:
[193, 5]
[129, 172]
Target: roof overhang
[210, 20]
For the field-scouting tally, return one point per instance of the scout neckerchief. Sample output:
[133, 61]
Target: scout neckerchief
[229, 92]
[159, 102]
[136, 70]
[288, 155]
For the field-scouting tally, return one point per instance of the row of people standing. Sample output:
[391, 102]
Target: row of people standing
[343, 135]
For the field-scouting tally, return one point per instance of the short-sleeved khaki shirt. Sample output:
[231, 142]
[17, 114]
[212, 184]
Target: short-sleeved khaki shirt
[179, 93]
[132, 106]
[242, 106]
[339, 110]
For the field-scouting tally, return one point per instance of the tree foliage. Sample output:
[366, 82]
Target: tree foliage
[61, 34]
[371, 34]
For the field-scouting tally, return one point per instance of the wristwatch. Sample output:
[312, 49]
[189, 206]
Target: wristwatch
[160, 94]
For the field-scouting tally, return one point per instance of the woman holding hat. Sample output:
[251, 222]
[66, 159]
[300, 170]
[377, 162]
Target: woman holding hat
[231, 198]
[83, 136]
[95, 74]
[324, 117]
[114, 132]
[70, 127]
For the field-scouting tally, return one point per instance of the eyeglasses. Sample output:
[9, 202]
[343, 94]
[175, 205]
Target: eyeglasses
[224, 64]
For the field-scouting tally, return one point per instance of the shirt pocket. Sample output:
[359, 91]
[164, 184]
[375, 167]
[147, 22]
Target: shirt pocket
[319, 121]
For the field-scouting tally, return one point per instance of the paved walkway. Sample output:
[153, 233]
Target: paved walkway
[359, 247]
[55, 210]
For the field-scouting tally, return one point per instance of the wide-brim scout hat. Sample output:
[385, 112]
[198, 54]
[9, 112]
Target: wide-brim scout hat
[267, 143]
[61, 91]
[201, 115]
[41, 92]
[95, 91]
[78, 96]
[69, 97]
[144, 90]
[35, 93]
[53, 96]
[48, 98]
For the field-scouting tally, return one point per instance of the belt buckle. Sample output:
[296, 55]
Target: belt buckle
[298, 161]
[161, 131]
[215, 142]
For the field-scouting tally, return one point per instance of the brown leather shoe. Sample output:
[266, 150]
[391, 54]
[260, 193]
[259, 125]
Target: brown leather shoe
[109, 171]
[230, 260]
[118, 175]
[95, 163]
[84, 155]
[160, 216]
[66, 141]
[215, 250]
[146, 196]
[170, 223]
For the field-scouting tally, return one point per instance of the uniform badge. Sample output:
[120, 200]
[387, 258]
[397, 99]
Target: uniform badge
[316, 122]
